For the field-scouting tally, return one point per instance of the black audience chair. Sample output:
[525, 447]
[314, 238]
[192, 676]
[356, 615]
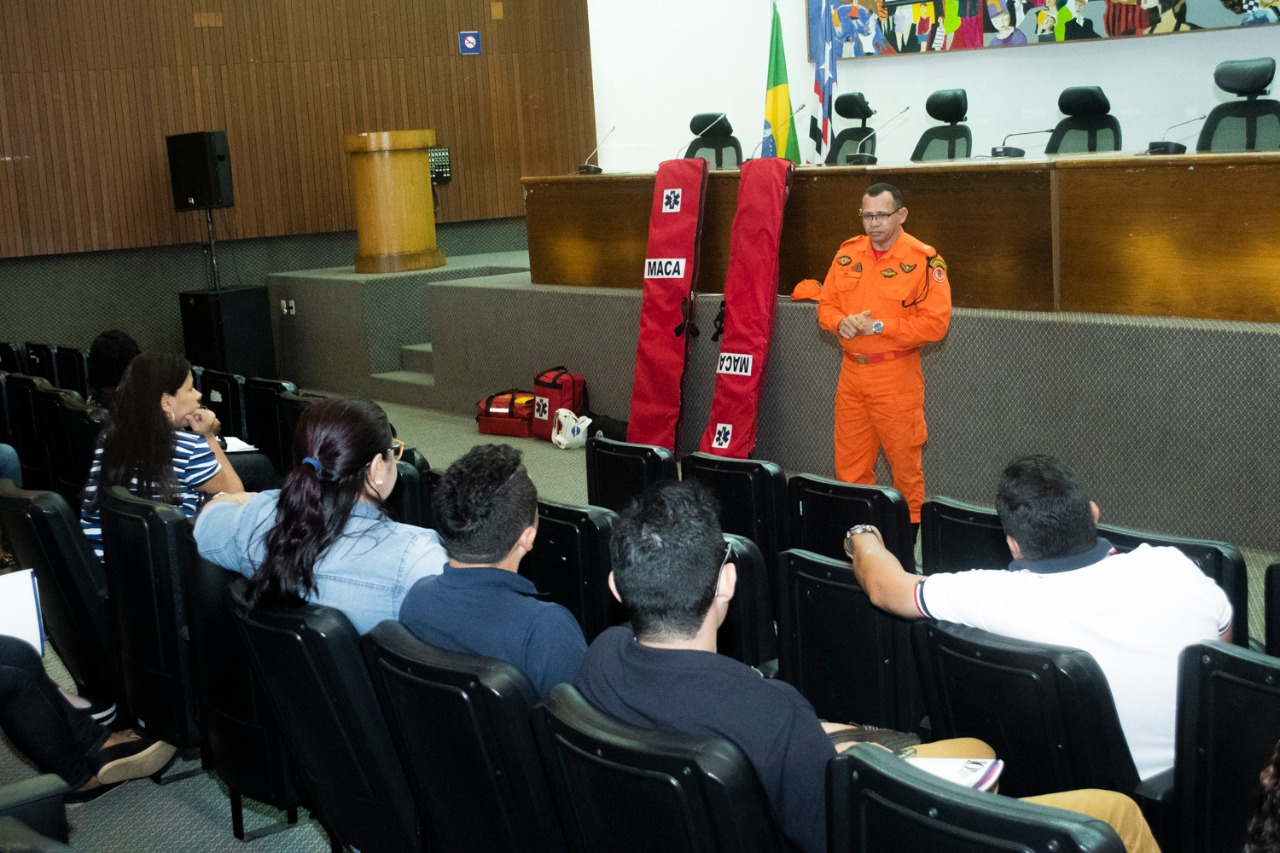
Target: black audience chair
[748, 634]
[4, 407]
[714, 141]
[32, 815]
[12, 359]
[242, 741]
[44, 533]
[223, 393]
[24, 432]
[957, 536]
[822, 510]
[262, 417]
[570, 563]
[146, 593]
[1271, 608]
[852, 140]
[753, 499]
[462, 725]
[1249, 125]
[953, 140]
[71, 364]
[309, 659]
[876, 801]
[291, 406]
[1088, 126]
[850, 659]
[621, 788]
[1228, 726]
[40, 362]
[1220, 561]
[405, 502]
[617, 471]
[1046, 710]
[69, 430]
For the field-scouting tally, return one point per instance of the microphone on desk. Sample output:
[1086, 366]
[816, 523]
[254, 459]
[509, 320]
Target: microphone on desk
[586, 168]
[699, 134]
[1171, 147]
[1003, 150]
[858, 158]
[761, 142]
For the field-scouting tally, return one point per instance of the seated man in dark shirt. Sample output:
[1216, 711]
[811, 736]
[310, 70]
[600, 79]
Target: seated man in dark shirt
[670, 572]
[486, 512]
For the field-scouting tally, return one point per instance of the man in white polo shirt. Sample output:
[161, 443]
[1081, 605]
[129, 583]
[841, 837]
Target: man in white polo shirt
[1067, 586]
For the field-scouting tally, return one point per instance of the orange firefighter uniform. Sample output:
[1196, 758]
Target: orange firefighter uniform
[880, 397]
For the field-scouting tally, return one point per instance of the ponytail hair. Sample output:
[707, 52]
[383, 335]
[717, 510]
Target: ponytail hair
[334, 443]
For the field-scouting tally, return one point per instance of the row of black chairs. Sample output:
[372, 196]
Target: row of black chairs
[62, 366]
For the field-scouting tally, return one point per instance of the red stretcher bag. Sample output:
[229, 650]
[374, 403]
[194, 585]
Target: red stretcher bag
[749, 307]
[666, 310]
[508, 412]
[556, 388]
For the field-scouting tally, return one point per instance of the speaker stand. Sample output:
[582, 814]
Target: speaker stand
[214, 284]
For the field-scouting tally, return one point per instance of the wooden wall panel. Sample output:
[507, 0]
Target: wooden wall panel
[89, 91]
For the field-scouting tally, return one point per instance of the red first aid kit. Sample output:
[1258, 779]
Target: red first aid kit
[556, 388]
[508, 412]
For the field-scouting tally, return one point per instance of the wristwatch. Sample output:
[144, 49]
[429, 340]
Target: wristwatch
[877, 327]
[857, 530]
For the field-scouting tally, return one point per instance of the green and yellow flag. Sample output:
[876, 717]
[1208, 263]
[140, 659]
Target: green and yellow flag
[779, 125]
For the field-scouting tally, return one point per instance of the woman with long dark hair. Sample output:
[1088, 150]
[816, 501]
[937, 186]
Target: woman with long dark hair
[159, 443]
[323, 537]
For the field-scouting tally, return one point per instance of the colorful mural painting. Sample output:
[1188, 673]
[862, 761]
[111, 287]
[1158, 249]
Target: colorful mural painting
[887, 27]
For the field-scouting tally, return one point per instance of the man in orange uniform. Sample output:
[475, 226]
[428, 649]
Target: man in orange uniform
[885, 294]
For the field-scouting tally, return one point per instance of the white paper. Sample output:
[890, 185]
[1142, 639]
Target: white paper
[980, 773]
[235, 445]
[20, 608]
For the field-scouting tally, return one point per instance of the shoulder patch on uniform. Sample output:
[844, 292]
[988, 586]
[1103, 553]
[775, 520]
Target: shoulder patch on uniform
[844, 260]
[888, 273]
[906, 267]
[857, 267]
[938, 269]
[937, 262]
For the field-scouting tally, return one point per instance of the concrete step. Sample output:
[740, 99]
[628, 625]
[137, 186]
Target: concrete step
[411, 387]
[417, 357]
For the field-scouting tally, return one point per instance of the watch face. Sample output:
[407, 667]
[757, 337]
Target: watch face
[877, 327]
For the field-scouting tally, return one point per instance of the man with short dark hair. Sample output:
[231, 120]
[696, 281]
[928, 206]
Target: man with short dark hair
[486, 512]
[1068, 586]
[885, 295]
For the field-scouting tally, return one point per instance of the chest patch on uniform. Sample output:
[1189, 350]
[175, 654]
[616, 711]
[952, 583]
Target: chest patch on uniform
[844, 260]
[857, 267]
[888, 273]
[906, 267]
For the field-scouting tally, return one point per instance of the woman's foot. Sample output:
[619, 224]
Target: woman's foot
[123, 757]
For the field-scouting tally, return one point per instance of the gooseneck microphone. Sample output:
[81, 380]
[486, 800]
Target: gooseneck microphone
[1166, 147]
[586, 168]
[858, 158]
[761, 142]
[1003, 150]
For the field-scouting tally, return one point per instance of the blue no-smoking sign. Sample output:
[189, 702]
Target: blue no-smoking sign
[469, 43]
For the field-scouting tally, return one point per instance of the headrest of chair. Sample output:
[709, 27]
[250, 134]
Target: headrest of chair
[1084, 101]
[853, 105]
[710, 124]
[949, 105]
[1245, 76]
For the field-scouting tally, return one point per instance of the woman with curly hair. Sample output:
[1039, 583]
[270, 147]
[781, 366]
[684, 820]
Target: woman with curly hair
[1263, 834]
[323, 537]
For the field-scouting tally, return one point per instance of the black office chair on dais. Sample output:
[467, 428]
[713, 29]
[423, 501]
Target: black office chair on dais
[714, 141]
[1089, 125]
[1249, 125]
[858, 140]
[952, 141]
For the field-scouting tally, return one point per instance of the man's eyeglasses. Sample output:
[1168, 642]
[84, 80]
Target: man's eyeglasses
[877, 218]
[397, 446]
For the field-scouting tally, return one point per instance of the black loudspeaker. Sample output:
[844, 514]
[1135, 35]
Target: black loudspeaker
[229, 330]
[200, 170]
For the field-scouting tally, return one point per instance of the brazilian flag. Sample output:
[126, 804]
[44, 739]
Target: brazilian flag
[779, 126]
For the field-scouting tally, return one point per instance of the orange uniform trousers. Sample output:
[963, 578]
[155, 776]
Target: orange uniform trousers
[882, 405]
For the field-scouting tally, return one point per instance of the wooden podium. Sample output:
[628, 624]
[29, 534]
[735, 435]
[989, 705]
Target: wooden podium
[391, 182]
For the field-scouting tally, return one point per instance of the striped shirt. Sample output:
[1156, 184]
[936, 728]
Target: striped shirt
[193, 464]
